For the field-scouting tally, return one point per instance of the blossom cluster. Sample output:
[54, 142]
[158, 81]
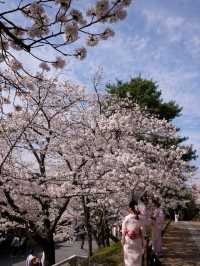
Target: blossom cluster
[54, 25]
[66, 148]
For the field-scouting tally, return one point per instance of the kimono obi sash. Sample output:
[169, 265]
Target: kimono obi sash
[133, 234]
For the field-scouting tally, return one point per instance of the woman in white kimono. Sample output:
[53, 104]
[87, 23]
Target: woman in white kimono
[132, 237]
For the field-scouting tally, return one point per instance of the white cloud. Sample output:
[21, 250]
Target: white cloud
[174, 27]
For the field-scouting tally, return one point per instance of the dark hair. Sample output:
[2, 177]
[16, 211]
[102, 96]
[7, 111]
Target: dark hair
[35, 261]
[132, 205]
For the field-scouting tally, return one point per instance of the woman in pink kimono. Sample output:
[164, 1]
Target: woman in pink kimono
[132, 237]
[158, 220]
[145, 214]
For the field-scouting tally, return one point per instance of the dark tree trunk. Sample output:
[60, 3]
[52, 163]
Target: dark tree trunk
[90, 251]
[48, 246]
[113, 238]
[96, 238]
[107, 234]
[103, 238]
[107, 240]
[100, 236]
[88, 226]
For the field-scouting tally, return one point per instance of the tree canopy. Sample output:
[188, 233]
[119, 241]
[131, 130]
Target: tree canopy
[59, 150]
[147, 95]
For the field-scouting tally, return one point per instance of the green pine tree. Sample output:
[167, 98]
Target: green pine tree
[147, 95]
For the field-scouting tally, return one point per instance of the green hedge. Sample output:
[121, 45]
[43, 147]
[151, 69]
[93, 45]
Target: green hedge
[108, 256]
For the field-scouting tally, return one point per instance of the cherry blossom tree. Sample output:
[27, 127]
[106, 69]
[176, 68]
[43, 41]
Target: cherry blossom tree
[72, 149]
[46, 32]
[34, 183]
[135, 161]
[119, 157]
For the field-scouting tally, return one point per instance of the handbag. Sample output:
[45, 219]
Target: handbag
[153, 259]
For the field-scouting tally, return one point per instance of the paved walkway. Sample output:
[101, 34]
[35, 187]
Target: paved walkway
[63, 250]
[181, 247]
[182, 244]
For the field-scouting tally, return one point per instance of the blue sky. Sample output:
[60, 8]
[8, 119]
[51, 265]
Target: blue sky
[159, 40]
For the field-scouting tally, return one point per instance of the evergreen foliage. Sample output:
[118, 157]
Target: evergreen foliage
[148, 96]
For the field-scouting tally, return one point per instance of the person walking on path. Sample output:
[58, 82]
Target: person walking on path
[132, 237]
[82, 235]
[15, 245]
[43, 259]
[157, 225]
[145, 217]
[30, 257]
[145, 214]
[176, 217]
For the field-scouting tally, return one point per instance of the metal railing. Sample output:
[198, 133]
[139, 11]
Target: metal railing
[72, 261]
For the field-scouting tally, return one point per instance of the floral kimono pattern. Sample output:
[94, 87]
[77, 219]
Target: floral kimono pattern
[145, 216]
[132, 240]
[157, 231]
